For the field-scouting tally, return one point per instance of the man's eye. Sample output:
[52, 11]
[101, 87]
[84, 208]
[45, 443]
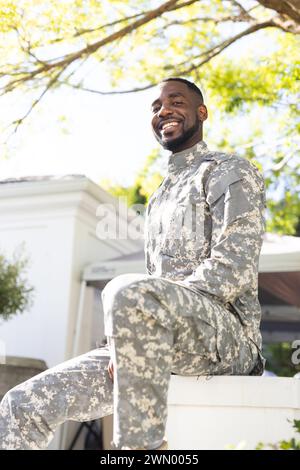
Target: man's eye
[155, 110]
[178, 103]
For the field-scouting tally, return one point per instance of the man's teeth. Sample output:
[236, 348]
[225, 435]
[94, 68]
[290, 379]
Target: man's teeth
[169, 124]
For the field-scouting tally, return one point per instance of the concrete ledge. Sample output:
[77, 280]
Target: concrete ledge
[16, 370]
[220, 411]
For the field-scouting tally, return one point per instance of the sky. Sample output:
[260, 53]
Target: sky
[78, 132]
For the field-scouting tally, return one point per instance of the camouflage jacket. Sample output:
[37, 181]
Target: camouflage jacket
[204, 229]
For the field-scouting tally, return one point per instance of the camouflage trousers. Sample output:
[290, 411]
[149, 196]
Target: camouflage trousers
[156, 327]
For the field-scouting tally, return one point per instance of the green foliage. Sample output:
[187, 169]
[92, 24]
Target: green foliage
[292, 444]
[278, 356]
[133, 194]
[264, 78]
[40, 48]
[284, 216]
[266, 84]
[15, 292]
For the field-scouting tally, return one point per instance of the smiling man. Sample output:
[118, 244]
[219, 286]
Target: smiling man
[195, 312]
[178, 115]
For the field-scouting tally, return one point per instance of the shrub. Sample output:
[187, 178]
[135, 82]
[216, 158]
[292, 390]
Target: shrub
[15, 292]
[292, 444]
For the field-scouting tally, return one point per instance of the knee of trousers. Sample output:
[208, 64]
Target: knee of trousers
[120, 295]
[121, 286]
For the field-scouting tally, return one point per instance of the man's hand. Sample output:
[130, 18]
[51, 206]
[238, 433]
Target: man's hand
[110, 369]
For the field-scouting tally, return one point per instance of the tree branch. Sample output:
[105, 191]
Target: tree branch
[122, 20]
[233, 19]
[81, 32]
[287, 25]
[209, 54]
[243, 12]
[290, 8]
[216, 50]
[50, 84]
[103, 93]
[91, 48]
[40, 71]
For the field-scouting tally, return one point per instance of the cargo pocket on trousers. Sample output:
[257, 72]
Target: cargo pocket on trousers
[197, 337]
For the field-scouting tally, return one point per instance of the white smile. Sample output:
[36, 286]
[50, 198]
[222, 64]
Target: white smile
[168, 125]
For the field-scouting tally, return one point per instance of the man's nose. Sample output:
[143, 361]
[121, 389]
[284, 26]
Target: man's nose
[164, 110]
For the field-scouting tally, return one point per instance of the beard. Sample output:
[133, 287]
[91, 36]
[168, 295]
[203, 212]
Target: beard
[178, 141]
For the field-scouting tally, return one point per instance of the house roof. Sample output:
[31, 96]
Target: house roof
[32, 179]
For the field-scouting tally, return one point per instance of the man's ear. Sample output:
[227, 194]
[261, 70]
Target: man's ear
[202, 112]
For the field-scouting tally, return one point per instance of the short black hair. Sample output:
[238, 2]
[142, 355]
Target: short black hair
[189, 84]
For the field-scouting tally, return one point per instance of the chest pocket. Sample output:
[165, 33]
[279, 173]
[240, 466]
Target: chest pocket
[185, 235]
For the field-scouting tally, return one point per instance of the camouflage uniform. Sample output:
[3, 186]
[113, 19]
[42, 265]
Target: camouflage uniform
[195, 313]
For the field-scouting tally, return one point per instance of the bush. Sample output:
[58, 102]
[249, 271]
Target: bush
[278, 356]
[292, 444]
[15, 292]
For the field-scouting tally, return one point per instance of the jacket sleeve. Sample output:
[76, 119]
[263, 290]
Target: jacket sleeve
[148, 263]
[236, 200]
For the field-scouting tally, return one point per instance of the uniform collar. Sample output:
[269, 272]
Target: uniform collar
[188, 157]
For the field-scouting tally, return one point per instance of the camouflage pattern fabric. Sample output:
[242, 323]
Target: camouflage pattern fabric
[78, 390]
[195, 313]
[204, 229]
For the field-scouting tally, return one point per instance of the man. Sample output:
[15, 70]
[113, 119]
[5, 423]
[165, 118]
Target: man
[196, 312]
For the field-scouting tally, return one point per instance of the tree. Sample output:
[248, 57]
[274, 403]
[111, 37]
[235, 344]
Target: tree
[48, 44]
